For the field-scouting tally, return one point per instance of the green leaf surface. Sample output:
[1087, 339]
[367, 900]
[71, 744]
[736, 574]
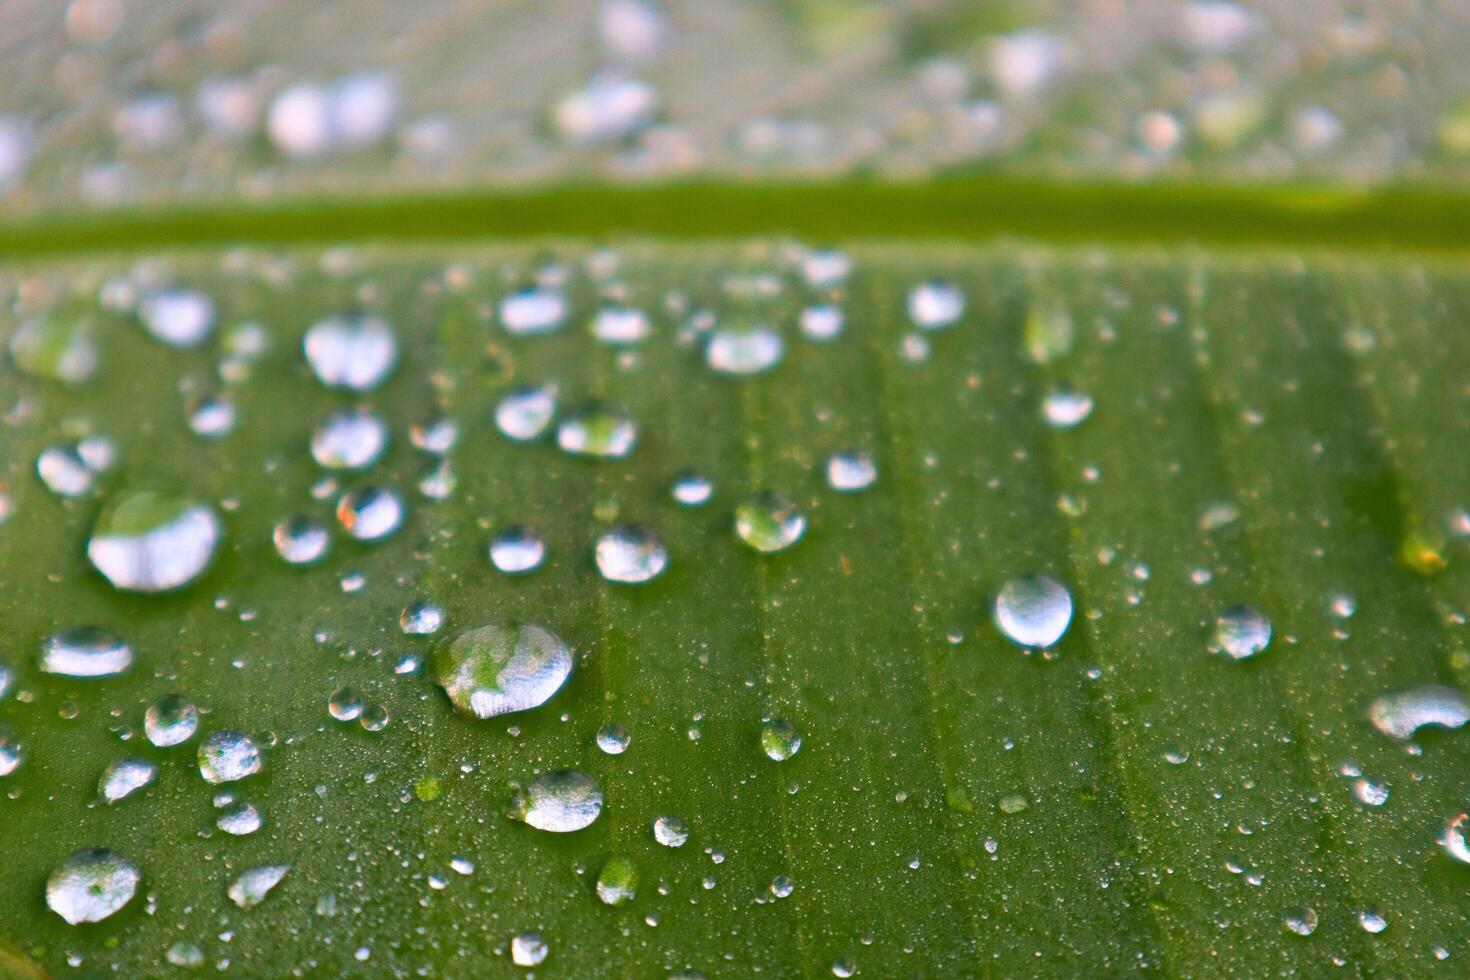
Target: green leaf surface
[958, 807]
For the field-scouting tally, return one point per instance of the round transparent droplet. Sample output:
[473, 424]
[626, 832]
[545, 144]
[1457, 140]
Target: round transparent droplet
[1456, 839]
[597, 432]
[345, 704]
[1402, 713]
[692, 490]
[528, 949]
[613, 738]
[560, 801]
[91, 885]
[301, 540]
[349, 440]
[779, 739]
[353, 352]
[125, 777]
[85, 651]
[742, 352]
[1301, 920]
[1372, 921]
[517, 550]
[935, 304]
[374, 718]
[1033, 611]
[252, 887]
[436, 435]
[524, 414]
[185, 955]
[1066, 408]
[144, 541]
[55, 348]
[630, 554]
[769, 522]
[617, 882]
[533, 311]
[370, 513]
[421, 618]
[64, 472]
[843, 967]
[621, 325]
[178, 317]
[240, 820]
[821, 322]
[228, 756]
[670, 831]
[12, 751]
[502, 667]
[212, 417]
[782, 886]
[1369, 793]
[1241, 632]
[850, 472]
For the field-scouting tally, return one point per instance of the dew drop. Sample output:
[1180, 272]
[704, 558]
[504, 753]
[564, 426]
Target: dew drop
[617, 882]
[370, 513]
[1455, 841]
[935, 304]
[252, 887]
[1369, 793]
[1402, 713]
[241, 820]
[349, 440]
[524, 414]
[91, 885]
[769, 522]
[1241, 632]
[1033, 611]
[212, 417]
[692, 490]
[613, 738]
[345, 704]
[610, 106]
[560, 801]
[821, 322]
[64, 472]
[782, 886]
[502, 667]
[621, 325]
[375, 718]
[125, 777]
[743, 352]
[421, 618]
[630, 554]
[85, 651]
[533, 311]
[824, 268]
[779, 739]
[670, 831]
[528, 949]
[850, 472]
[178, 317]
[517, 550]
[1372, 921]
[1301, 920]
[597, 432]
[185, 955]
[144, 541]
[12, 752]
[55, 348]
[843, 968]
[353, 352]
[435, 436]
[1066, 408]
[228, 756]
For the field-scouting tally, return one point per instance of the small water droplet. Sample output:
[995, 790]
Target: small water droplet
[824, 268]
[1342, 606]
[850, 472]
[670, 831]
[617, 882]
[524, 414]
[212, 417]
[55, 348]
[12, 752]
[241, 820]
[91, 885]
[353, 352]
[1033, 611]
[597, 432]
[178, 317]
[349, 440]
[436, 435]
[744, 351]
[228, 756]
[769, 522]
[779, 739]
[560, 801]
[843, 967]
[1369, 793]
[85, 651]
[1455, 841]
[1066, 408]
[533, 311]
[375, 718]
[782, 886]
[621, 325]
[345, 704]
[517, 550]
[692, 490]
[502, 667]
[252, 887]
[1402, 713]
[630, 554]
[613, 738]
[144, 541]
[1241, 632]
[185, 955]
[1372, 921]
[421, 618]
[125, 777]
[1301, 920]
[935, 304]
[64, 472]
[301, 540]
[528, 949]
[370, 513]
[821, 322]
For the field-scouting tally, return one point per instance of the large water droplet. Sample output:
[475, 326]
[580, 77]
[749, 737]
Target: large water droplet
[12, 751]
[630, 554]
[1301, 920]
[935, 304]
[354, 352]
[613, 738]
[1033, 611]
[744, 351]
[436, 435]
[252, 887]
[227, 756]
[370, 513]
[851, 471]
[91, 885]
[779, 739]
[1240, 632]
[670, 831]
[345, 704]
[769, 522]
[144, 541]
[617, 882]
[598, 432]
[1402, 713]
[85, 651]
[824, 268]
[561, 801]
[178, 317]
[301, 540]
[524, 414]
[349, 440]
[533, 311]
[124, 778]
[55, 348]
[528, 949]
[516, 550]
[502, 667]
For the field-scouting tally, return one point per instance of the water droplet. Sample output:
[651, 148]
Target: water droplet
[609, 107]
[124, 778]
[370, 513]
[598, 432]
[185, 955]
[1372, 921]
[630, 554]
[65, 472]
[421, 618]
[528, 949]
[524, 414]
[692, 490]
[613, 738]
[349, 440]
[227, 756]
[1455, 841]
[144, 541]
[178, 317]
[1047, 335]
[850, 472]
[91, 885]
[744, 351]
[617, 882]
[621, 325]
[353, 352]
[821, 322]
[12, 752]
[1369, 793]
[560, 801]
[1033, 611]
[7, 677]
[251, 888]
[439, 482]
[55, 348]
[1240, 632]
[516, 550]
[1301, 920]
[502, 667]
[843, 967]
[212, 417]
[85, 651]
[670, 831]
[1342, 606]
[1066, 408]
[824, 268]
[779, 739]
[769, 522]
[301, 540]
[533, 311]
[435, 436]
[375, 718]
[935, 304]
[1402, 713]
[345, 704]
[240, 821]
[782, 886]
